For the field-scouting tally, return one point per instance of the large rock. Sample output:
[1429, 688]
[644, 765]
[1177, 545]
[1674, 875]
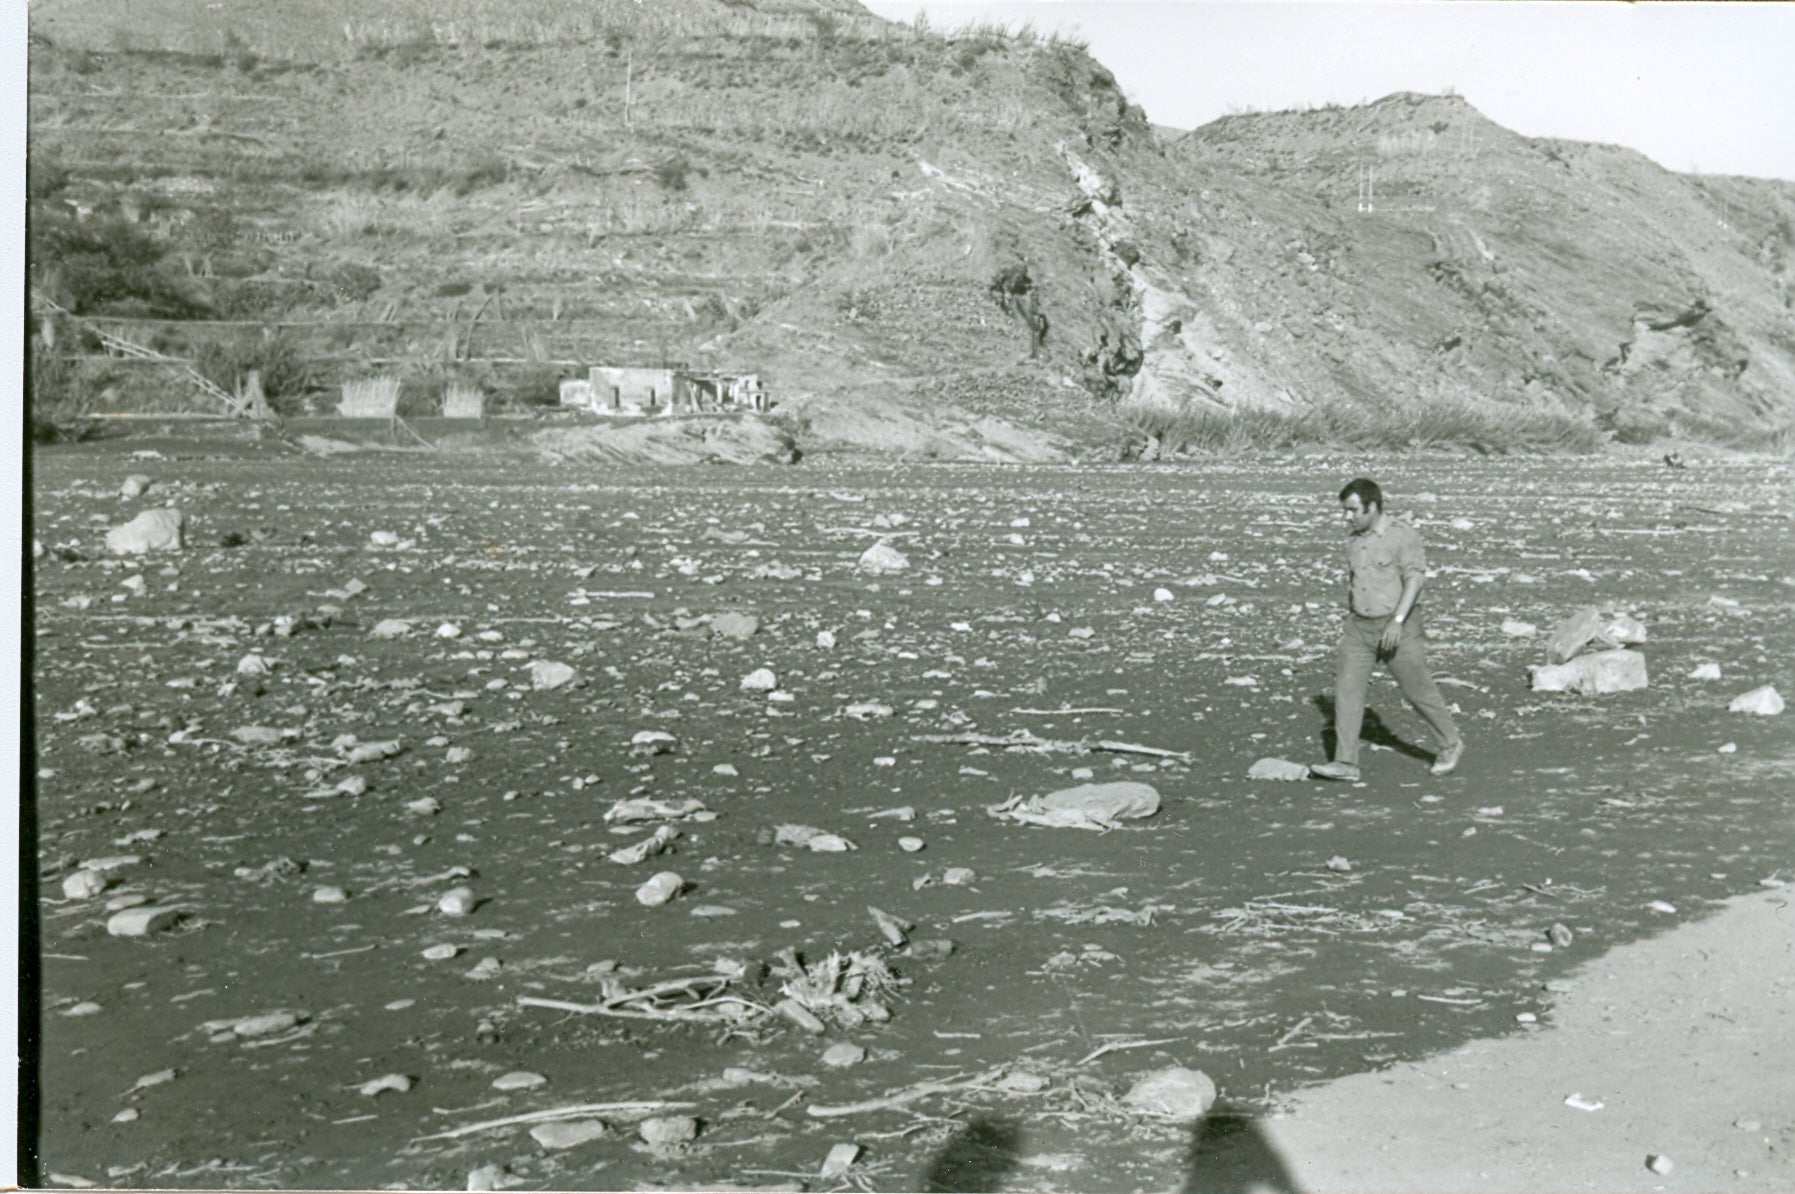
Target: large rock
[154, 530]
[546, 675]
[1174, 1093]
[1765, 701]
[568, 1133]
[1278, 769]
[1088, 806]
[1588, 626]
[1592, 675]
[734, 625]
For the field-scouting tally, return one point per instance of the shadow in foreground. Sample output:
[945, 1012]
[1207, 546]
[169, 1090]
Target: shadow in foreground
[1373, 732]
[1230, 1155]
[976, 1159]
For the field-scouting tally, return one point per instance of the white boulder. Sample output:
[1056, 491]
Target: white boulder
[1765, 702]
[162, 529]
[1175, 1093]
[881, 559]
[1618, 670]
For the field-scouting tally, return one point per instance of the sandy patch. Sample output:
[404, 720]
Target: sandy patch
[1686, 1040]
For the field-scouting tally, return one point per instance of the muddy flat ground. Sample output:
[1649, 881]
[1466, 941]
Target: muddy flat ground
[1214, 935]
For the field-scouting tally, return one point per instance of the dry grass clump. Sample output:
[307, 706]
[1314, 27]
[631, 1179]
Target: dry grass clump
[370, 398]
[462, 400]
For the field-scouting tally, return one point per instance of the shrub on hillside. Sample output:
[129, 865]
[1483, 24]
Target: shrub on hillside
[107, 264]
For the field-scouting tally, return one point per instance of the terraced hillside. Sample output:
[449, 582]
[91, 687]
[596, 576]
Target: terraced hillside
[851, 208]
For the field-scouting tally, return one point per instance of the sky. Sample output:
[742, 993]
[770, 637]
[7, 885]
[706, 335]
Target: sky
[1697, 87]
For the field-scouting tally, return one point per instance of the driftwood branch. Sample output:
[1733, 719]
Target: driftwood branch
[554, 1113]
[707, 987]
[908, 1094]
[1024, 740]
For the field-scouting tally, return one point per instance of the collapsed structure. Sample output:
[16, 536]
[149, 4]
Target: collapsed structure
[631, 390]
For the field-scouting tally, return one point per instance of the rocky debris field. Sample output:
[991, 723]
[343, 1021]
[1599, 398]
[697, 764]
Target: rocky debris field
[415, 822]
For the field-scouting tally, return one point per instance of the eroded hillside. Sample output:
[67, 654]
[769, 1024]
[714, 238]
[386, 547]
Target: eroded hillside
[852, 208]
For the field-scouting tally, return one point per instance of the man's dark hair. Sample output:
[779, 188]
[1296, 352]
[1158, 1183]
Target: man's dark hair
[1366, 490]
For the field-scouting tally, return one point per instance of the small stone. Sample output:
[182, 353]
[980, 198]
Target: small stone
[1559, 935]
[390, 628]
[155, 1079]
[383, 539]
[457, 754]
[128, 1115]
[86, 1007]
[663, 1131]
[867, 711]
[1705, 671]
[330, 895]
[457, 901]
[424, 806]
[569, 1133]
[518, 1080]
[825, 639]
[759, 680]
[83, 885]
[659, 889]
[1163, 595]
[485, 968]
[841, 1158]
[647, 743]
[254, 665]
[441, 953]
[958, 876]
[1659, 1164]
[1340, 864]
[371, 752]
[268, 1024]
[143, 920]
[910, 845]
[486, 1178]
[843, 1055]
[448, 630]
[1023, 1083]
[394, 1082]
[135, 486]
[726, 770]
[257, 735]
[1514, 629]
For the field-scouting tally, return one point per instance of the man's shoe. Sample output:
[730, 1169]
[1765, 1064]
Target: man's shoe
[1446, 762]
[1346, 771]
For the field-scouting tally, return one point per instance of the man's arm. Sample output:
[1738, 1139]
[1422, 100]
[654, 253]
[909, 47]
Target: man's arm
[1411, 566]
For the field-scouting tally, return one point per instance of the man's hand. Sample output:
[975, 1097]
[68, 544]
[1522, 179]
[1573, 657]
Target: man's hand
[1391, 637]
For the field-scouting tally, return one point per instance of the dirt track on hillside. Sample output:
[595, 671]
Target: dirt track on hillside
[1214, 935]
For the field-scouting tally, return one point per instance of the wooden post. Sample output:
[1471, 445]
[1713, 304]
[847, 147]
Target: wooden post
[252, 398]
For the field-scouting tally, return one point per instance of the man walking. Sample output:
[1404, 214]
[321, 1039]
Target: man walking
[1385, 566]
